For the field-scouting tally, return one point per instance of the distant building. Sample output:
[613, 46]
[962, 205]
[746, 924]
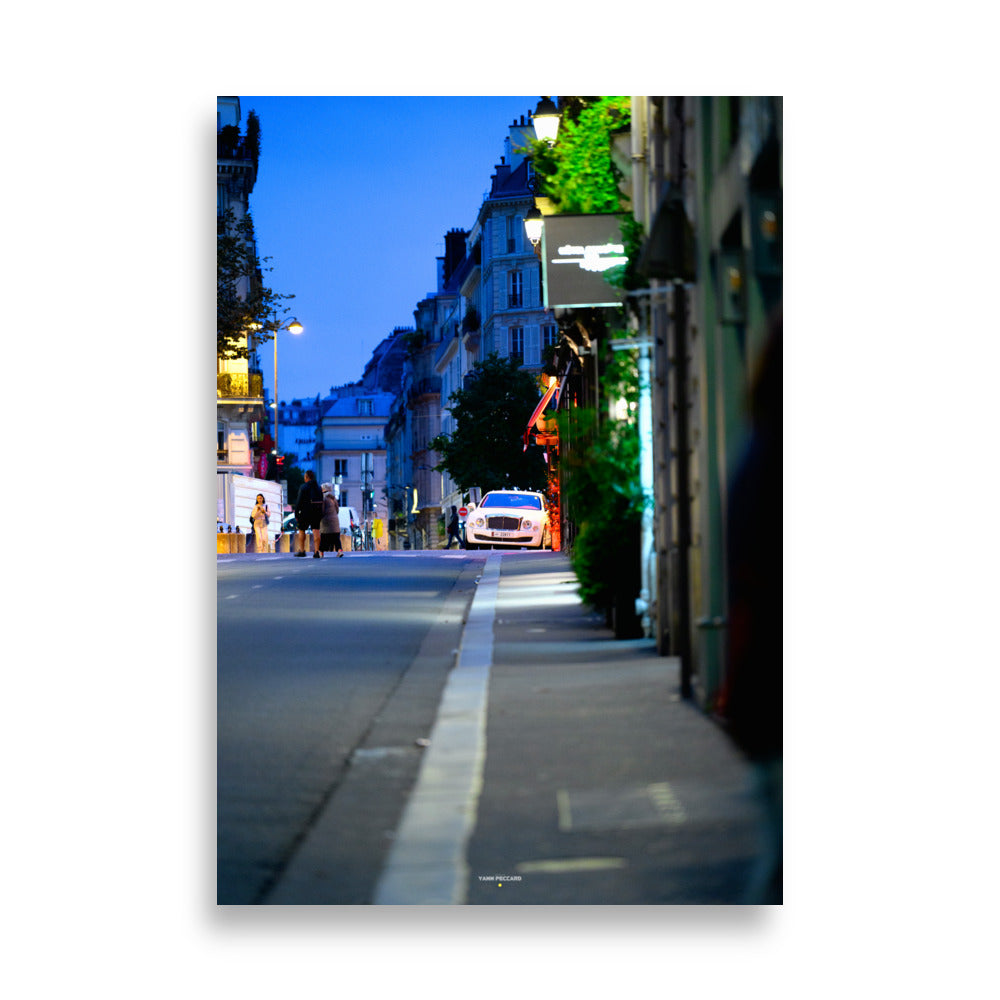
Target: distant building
[384, 370]
[349, 431]
[298, 422]
[351, 451]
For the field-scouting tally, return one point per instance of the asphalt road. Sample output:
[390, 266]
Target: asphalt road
[329, 673]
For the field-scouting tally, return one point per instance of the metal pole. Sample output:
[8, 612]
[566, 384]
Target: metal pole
[276, 400]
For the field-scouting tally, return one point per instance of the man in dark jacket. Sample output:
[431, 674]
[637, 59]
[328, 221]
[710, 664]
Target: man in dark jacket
[454, 530]
[309, 513]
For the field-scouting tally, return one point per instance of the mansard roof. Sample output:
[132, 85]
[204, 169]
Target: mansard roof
[509, 183]
[347, 406]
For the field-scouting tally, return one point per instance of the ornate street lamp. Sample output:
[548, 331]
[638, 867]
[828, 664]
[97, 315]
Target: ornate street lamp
[533, 223]
[546, 123]
[546, 120]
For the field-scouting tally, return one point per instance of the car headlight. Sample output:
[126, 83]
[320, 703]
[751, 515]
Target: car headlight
[478, 522]
[528, 524]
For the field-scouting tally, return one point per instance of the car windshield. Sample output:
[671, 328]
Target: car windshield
[520, 500]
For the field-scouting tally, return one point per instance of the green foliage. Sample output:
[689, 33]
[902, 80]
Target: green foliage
[601, 474]
[253, 137]
[470, 322]
[577, 173]
[491, 413]
[601, 467]
[413, 341]
[627, 277]
[243, 303]
[293, 476]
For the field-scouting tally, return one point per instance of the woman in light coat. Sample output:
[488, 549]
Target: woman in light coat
[260, 518]
[329, 526]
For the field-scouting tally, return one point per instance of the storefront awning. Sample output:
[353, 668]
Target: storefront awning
[542, 403]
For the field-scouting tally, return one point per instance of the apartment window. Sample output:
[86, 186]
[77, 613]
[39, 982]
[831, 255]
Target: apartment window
[550, 335]
[344, 502]
[512, 227]
[221, 431]
[517, 344]
[364, 407]
[340, 467]
[515, 289]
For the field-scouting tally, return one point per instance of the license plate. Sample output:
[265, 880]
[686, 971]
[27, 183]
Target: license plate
[504, 534]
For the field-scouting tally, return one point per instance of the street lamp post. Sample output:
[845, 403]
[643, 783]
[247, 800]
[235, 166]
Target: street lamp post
[546, 123]
[294, 326]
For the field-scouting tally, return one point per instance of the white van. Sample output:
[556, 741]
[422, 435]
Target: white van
[349, 519]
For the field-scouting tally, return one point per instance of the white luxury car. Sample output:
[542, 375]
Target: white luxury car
[509, 519]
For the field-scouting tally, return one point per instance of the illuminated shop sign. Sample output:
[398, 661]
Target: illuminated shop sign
[578, 251]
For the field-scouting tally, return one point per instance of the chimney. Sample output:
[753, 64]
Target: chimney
[519, 135]
[503, 172]
[454, 251]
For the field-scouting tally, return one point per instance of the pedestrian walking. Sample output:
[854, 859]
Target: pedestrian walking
[259, 518]
[309, 513]
[329, 525]
[454, 529]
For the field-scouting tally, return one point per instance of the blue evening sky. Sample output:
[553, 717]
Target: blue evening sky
[353, 198]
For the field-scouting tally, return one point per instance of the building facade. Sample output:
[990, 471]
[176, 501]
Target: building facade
[298, 422]
[350, 436]
[509, 295]
[242, 417]
[351, 452]
[706, 184]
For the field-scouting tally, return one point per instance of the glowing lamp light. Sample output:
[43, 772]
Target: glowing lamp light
[533, 223]
[295, 326]
[546, 120]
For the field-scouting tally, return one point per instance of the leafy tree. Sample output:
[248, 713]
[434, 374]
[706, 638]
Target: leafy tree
[244, 304]
[293, 476]
[491, 414]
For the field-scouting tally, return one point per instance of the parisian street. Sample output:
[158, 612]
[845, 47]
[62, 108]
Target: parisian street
[457, 727]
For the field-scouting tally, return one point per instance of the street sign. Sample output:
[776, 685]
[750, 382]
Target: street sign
[463, 511]
[577, 251]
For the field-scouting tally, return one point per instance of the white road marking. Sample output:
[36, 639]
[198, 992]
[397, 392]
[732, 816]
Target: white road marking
[562, 866]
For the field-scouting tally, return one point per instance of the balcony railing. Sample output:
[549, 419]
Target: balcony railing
[238, 385]
[425, 387]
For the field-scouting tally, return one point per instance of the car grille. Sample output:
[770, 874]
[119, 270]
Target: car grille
[503, 523]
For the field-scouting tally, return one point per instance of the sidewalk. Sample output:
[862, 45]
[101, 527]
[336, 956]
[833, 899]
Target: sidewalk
[600, 785]
[565, 769]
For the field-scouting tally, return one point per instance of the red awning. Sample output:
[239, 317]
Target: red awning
[543, 402]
